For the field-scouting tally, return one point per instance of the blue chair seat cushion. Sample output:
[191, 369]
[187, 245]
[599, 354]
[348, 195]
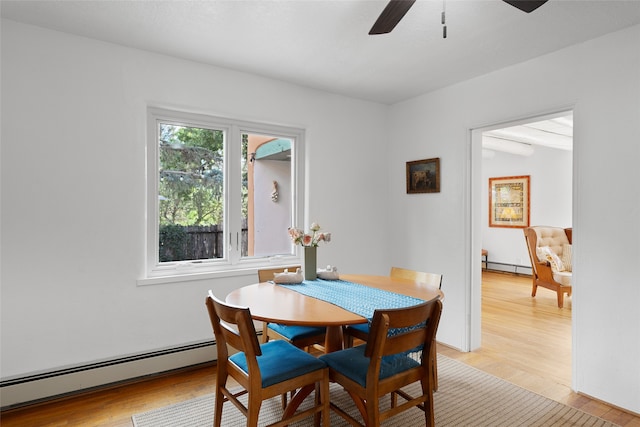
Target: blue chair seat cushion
[293, 332]
[280, 361]
[354, 364]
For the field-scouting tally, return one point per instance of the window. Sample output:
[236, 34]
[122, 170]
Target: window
[221, 193]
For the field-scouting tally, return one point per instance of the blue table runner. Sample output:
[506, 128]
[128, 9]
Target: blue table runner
[354, 297]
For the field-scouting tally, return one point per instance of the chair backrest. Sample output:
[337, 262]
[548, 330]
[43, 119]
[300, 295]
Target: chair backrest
[539, 236]
[431, 279]
[232, 326]
[413, 327]
[266, 274]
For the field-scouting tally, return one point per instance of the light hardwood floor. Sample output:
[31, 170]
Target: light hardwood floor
[525, 340]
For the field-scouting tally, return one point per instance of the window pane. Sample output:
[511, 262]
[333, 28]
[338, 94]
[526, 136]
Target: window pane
[267, 195]
[191, 196]
[221, 193]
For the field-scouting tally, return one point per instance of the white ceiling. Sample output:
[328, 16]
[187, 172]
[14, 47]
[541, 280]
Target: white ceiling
[521, 139]
[325, 44]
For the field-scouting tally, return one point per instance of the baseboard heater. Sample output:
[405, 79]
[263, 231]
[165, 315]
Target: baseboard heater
[509, 268]
[35, 388]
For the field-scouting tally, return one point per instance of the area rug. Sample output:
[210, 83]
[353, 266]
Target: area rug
[466, 397]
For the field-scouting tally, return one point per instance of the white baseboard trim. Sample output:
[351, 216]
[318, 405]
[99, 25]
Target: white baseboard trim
[29, 389]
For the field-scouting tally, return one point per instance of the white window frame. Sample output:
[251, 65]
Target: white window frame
[232, 260]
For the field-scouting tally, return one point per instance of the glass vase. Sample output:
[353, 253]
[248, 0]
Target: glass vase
[310, 262]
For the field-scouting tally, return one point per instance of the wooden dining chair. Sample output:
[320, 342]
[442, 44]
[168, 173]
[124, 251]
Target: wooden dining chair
[431, 279]
[361, 331]
[386, 363]
[300, 336]
[263, 370]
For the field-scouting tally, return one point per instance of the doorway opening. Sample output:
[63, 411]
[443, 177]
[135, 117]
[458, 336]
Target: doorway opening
[540, 148]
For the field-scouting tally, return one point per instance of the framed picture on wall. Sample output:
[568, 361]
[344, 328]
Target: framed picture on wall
[423, 176]
[509, 201]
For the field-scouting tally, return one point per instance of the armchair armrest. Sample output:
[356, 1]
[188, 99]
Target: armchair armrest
[544, 271]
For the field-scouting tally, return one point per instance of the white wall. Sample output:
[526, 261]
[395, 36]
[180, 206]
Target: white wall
[551, 183]
[73, 192]
[600, 79]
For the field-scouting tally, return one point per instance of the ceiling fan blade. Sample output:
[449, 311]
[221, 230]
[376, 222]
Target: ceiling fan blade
[526, 5]
[391, 15]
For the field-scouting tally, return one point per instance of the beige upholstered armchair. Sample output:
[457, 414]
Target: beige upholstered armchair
[550, 254]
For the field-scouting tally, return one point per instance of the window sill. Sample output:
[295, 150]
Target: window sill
[192, 274]
[191, 277]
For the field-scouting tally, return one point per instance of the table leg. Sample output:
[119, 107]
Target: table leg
[332, 342]
[333, 339]
[297, 399]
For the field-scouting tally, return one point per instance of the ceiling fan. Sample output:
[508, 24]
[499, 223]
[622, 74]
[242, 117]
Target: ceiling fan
[396, 9]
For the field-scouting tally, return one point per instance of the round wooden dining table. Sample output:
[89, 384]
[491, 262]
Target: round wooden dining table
[272, 303]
